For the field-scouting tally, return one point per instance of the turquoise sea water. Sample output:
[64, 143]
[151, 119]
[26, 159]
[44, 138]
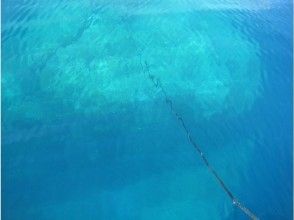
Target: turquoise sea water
[86, 135]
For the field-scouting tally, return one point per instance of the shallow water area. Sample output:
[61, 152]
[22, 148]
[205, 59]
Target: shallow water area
[86, 134]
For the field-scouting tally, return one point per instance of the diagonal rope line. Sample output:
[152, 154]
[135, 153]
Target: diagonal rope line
[157, 84]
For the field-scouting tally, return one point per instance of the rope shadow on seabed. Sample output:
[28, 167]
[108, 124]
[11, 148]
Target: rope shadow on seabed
[158, 85]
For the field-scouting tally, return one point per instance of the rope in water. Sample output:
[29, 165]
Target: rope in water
[157, 83]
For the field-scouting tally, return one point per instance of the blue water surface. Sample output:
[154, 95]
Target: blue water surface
[87, 135]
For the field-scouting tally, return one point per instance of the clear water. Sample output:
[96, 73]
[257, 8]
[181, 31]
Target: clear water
[85, 135]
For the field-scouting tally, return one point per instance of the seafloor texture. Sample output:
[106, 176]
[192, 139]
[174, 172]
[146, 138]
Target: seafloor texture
[86, 135]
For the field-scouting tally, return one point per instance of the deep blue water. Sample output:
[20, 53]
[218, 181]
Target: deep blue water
[85, 134]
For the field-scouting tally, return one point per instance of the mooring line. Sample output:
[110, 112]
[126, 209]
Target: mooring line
[157, 84]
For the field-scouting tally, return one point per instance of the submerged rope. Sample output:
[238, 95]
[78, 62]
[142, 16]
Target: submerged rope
[157, 83]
